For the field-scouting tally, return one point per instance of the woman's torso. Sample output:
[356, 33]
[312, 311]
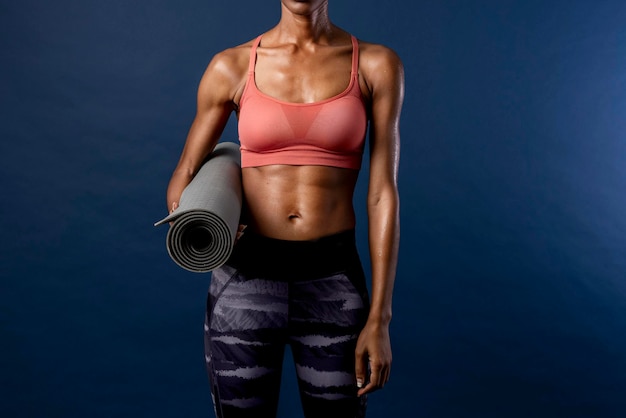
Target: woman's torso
[296, 201]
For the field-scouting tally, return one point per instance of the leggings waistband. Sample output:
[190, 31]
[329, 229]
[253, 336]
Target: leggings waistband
[295, 260]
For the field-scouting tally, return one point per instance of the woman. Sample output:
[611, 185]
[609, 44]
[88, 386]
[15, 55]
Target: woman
[294, 276]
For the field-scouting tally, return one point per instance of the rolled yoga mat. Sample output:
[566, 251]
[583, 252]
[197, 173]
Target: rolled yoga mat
[205, 223]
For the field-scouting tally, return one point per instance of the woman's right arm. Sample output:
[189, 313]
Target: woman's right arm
[223, 78]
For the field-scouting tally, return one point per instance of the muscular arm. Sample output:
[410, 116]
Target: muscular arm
[216, 92]
[385, 77]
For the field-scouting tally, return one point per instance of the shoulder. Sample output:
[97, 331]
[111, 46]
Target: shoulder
[227, 70]
[378, 54]
[380, 66]
[231, 61]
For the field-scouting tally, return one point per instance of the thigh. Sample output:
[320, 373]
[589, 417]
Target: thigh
[244, 342]
[326, 318]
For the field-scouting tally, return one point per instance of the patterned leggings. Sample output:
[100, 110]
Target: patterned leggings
[309, 294]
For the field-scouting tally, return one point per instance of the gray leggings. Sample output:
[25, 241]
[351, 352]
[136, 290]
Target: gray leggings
[309, 294]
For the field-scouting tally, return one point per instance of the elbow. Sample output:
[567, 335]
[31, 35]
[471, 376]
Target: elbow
[384, 197]
[386, 203]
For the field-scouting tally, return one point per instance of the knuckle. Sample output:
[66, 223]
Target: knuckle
[377, 364]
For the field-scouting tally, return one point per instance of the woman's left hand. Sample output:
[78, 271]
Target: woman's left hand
[373, 348]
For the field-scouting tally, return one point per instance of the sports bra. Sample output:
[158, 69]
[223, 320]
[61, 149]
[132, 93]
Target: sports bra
[329, 132]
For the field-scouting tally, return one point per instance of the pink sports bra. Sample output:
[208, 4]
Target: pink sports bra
[330, 132]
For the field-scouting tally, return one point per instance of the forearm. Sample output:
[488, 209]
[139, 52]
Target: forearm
[180, 179]
[384, 237]
[201, 140]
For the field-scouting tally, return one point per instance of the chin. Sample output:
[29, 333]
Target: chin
[304, 6]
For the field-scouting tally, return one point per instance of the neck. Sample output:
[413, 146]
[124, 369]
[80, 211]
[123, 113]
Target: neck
[307, 27]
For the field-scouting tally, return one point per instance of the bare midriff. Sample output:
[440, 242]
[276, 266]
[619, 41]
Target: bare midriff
[299, 202]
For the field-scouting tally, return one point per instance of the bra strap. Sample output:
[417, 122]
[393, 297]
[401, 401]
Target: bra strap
[252, 63]
[355, 55]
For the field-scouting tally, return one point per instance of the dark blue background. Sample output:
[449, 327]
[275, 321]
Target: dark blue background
[510, 298]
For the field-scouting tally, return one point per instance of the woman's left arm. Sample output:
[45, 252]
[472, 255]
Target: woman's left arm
[384, 75]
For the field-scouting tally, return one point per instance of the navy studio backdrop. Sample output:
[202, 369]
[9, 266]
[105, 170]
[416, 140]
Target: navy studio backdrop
[510, 297]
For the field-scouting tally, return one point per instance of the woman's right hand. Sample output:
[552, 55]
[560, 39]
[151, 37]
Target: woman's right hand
[240, 232]
[172, 209]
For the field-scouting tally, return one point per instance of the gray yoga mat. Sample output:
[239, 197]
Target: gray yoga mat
[205, 223]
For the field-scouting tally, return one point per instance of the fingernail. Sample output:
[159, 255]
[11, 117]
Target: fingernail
[359, 383]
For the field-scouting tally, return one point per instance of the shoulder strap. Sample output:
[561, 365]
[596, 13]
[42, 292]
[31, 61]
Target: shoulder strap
[355, 55]
[255, 44]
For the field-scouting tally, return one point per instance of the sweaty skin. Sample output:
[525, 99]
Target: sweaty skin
[306, 59]
[299, 202]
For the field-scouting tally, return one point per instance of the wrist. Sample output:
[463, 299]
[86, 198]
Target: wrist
[379, 317]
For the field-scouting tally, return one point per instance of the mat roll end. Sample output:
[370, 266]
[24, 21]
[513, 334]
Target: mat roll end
[200, 241]
[204, 226]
